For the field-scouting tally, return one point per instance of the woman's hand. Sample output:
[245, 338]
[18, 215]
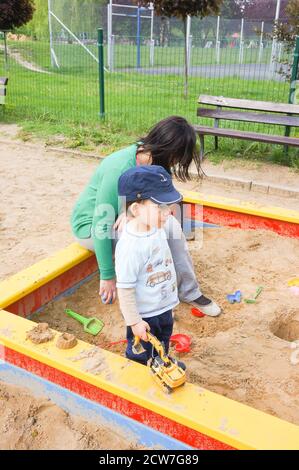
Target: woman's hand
[108, 291]
[140, 329]
[121, 222]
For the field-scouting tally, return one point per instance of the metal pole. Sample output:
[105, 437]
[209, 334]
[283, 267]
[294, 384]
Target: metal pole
[152, 46]
[241, 42]
[188, 27]
[274, 42]
[188, 45]
[294, 76]
[50, 32]
[109, 33]
[261, 42]
[190, 52]
[112, 54]
[75, 37]
[101, 72]
[138, 38]
[152, 21]
[217, 41]
[280, 48]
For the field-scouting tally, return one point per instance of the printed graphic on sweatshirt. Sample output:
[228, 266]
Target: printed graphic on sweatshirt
[167, 290]
[158, 278]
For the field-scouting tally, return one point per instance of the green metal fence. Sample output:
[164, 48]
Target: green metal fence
[136, 95]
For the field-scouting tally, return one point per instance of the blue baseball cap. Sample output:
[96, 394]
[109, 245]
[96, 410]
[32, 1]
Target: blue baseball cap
[148, 182]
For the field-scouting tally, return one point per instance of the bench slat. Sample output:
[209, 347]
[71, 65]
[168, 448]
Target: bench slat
[291, 121]
[266, 138]
[249, 104]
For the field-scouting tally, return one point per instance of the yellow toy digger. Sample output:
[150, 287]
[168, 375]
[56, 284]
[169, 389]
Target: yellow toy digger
[166, 372]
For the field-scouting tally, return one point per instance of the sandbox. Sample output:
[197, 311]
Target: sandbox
[243, 384]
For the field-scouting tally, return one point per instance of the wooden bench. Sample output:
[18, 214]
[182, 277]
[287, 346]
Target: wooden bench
[280, 114]
[3, 83]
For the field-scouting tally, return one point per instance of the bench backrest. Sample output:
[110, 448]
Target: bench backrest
[266, 106]
[3, 83]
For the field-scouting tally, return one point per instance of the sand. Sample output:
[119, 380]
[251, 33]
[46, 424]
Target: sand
[245, 354]
[39, 188]
[230, 354]
[38, 424]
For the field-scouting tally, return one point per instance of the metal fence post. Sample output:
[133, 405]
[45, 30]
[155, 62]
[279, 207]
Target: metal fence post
[109, 32]
[241, 52]
[152, 53]
[101, 72]
[217, 43]
[138, 37]
[261, 43]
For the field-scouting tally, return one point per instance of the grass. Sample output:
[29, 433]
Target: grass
[125, 55]
[63, 106]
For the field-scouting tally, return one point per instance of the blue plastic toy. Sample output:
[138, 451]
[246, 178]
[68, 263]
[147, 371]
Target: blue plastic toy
[234, 298]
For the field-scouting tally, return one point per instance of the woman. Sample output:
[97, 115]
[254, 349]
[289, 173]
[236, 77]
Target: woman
[172, 144]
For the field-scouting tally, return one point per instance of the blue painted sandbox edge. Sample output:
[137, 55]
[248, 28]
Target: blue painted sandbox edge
[89, 410]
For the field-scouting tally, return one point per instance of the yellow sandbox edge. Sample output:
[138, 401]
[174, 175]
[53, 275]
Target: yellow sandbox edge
[28, 280]
[223, 419]
[39, 274]
[244, 207]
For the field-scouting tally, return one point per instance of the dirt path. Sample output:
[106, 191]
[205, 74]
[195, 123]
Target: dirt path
[23, 62]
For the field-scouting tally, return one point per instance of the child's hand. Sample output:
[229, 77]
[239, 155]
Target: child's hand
[140, 329]
[108, 291]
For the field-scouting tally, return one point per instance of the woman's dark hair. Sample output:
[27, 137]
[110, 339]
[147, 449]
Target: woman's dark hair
[172, 144]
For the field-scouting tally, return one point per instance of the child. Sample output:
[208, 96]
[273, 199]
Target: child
[146, 278]
[172, 144]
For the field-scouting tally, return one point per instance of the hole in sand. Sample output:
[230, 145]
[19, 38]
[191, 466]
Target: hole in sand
[287, 328]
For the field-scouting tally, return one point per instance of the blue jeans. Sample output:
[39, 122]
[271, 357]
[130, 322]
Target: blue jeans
[161, 327]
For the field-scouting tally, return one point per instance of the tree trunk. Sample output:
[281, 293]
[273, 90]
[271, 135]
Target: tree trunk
[164, 31]
[186, 59]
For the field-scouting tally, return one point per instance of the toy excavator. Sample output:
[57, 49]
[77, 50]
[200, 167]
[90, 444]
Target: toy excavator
[166, 372]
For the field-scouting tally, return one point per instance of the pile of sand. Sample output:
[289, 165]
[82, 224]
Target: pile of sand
[244, 354]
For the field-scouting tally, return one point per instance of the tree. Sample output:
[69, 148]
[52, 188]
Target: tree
[231, 9]
[264, 10]
[287, 31]
[38, 27]
[182, 9]
[15, 13]
[78, 15]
